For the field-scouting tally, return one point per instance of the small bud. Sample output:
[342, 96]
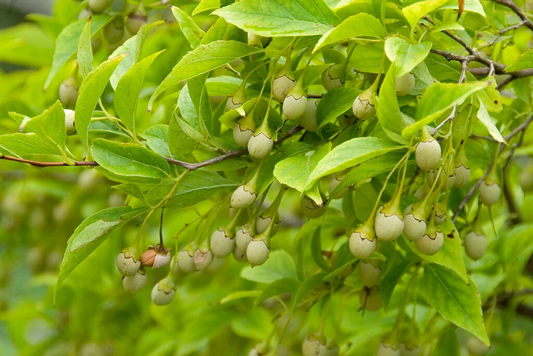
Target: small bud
[244, 236]
[431, 242]
[334, 183]
[370, 299]
[283, 82]
[308, 119]
[261, 142]
[385, 349]
[68, 93]
[334, 76]
[163, 291]
[362, 242]
[243, 197]
[135, 21]
[475, 245]
[133, 284]
[236, 99]
[427, 152]
[477, 347]
[363, 106]
[311, 209]
[295, 103]
[389, 222]
[414, 222]
[222, 243]
[370, 272]
[99, 5]
[186, 260]
[257, 252]
[128, 261]
[405, 84]
[490, 189]
[202, 258]
[70, 125]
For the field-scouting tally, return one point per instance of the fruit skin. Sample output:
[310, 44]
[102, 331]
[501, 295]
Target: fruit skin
[431, 242]
[202, 258]
[133, 284]
[163, 292]
[364, 105]
[128, 262]
[222, 243]
[114, 30]
[262, 222]
[156, 257]
[428, 152]
[68, 93]
[244, 236]
[257, 252]
[311, 209]
[186, 260]
[370, 272]
[477, 347]
[334, 76]
[283, 82]
[389, 223]
[406, 350]
[70, 125]
[236, 99]
[239, 255]
[405, 84]
[362, 241]
[414, 223]
[489, 192]
[462, 169]
[295, 104]
[334, 183]
[369, 299]
[135, 21]
[308, 118]
[260, 144]
[98, 6]
[244, 130]
[475, 245]
[85, 13]
[385, 349]
[441, 213]
[315, 345]
[243, 197]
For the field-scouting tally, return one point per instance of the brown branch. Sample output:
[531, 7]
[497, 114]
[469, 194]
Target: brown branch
[510, 4]
[49, 164]
[462, 78]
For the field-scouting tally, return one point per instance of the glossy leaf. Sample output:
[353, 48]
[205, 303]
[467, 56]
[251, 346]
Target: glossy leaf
[85, 51]
[278, 266]
[190, 29]
[405, 55]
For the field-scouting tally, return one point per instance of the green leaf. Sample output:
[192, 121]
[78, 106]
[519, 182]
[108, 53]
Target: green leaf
[85, 51]
[405, 55]
[390, 280]
[415, 11]
[125, 159]
[179, 142]
[306, 287]
[525, 61]
[240, 295]
[388, 110]
[350, 154]
[316, 249]
[294, 171]
[193, 188]
[334, 103]
[67, 43]
[50, 125]
[437, 99]
[202, 60]
[272, 18]
[190, 29]
[206, 5]
[469, 5]
[379, 165]
[157, 139]
[457, 301]
[128, 90]
[354, 27]
[90, 91]
[278, 266]
[280, 286]
[451, 253]
[448, 344]
[27, 145]
[485, 118]
[90, 234]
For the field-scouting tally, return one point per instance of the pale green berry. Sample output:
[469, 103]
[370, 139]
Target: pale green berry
[85, 13]
[163, 292]
[260, 144]
[222, 243]
[202, 259]
[262, 223]
[334, 183]
[385, 349]
[283, 83]
[133, 284]
[430, 243]
[311, 209]
[98, 6]
[475, 245]
[295, 103]
[477, 347]
[370, 299]
[364, 105]
[128, 262]
[441, 213]
[68, 93]
[70, 125]
[308, 119]
[334, 76]
[489, 192]
[236, 99]
[414, 224]
[217, 264]
[362, 242]
[389, 225]
[257, 252]
[243, 197]
[239, 254]
[254, 40]
[462, 169]
[409, 350]
[114, 30]
[370, 272]
[314, 345]
[243, 237]
[405, 84]
[427, 152]
[135, 21]
[186, 261]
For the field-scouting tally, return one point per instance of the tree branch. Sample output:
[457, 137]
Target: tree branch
[49, 164]
[510, 4]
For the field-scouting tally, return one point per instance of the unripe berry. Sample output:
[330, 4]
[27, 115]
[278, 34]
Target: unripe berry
[283, 82]
[261, 142]
[257, 252]
[244, 130]
[163, 292]
[370, 272]
[363, 106]
[114, 30]
[295, 102]
[186, 260]
[477, 347]
[128, 261]
[475, 245]
[431, 242]
[409, 350]
[389, 223]
[311, 209]
[240, 254]
[363, 242]
[334, 76]
[384, 349]
[85, 13]
[427, 152]
[98, 6]
[315, 345]
[263, 221]
[405, 84]
[135, 21]
[462, 169]
[222, 243]
[243, 197]
[68, 93]
[526, 179]
[244, 236]
[334, 183]
[133, 284]
[70, 125]
[156, 257]
[370, 299]
[490, 189]
[414, 223]
[254, 40]
[202, 258]
[308, 119]
[236, 99]
[216, 264]
[441, 213]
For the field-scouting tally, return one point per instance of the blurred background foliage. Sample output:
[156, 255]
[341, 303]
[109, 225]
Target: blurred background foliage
[93, 315]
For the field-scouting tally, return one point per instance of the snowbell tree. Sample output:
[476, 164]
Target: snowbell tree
[365, 162]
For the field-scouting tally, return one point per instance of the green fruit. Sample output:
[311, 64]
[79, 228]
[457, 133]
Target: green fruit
[68, 93]
[244, 236]
[70, 125]
[263, 221]
[217, 264]
[462, 169]
[389, 223]
[128, 262]
[133, 284]
[475, 245]
[283, 82]
[364, 105]
[203, 257]
[99, 5]
[315, 345]
[490, 189]
[85, 13]
[427, 152]
[477, 347]
[409, 350]
[186, 260]
[244, 130]
[257, 252]
[369, 299]
[261, 142]
[526, 179]
[441, 213]
[254, 40]
[431, 242]
[363, 242]
[295, 103]
[308, 118]
[334, 76]
[415, 222]
[135, 21]
[222, 243]
[239, 255]
[405, 84]
[114, 30]
[163, 292]
[370, 272]
[311, 209]
[236, 99]
[384, 349]
[334, 183]
[243, 197]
